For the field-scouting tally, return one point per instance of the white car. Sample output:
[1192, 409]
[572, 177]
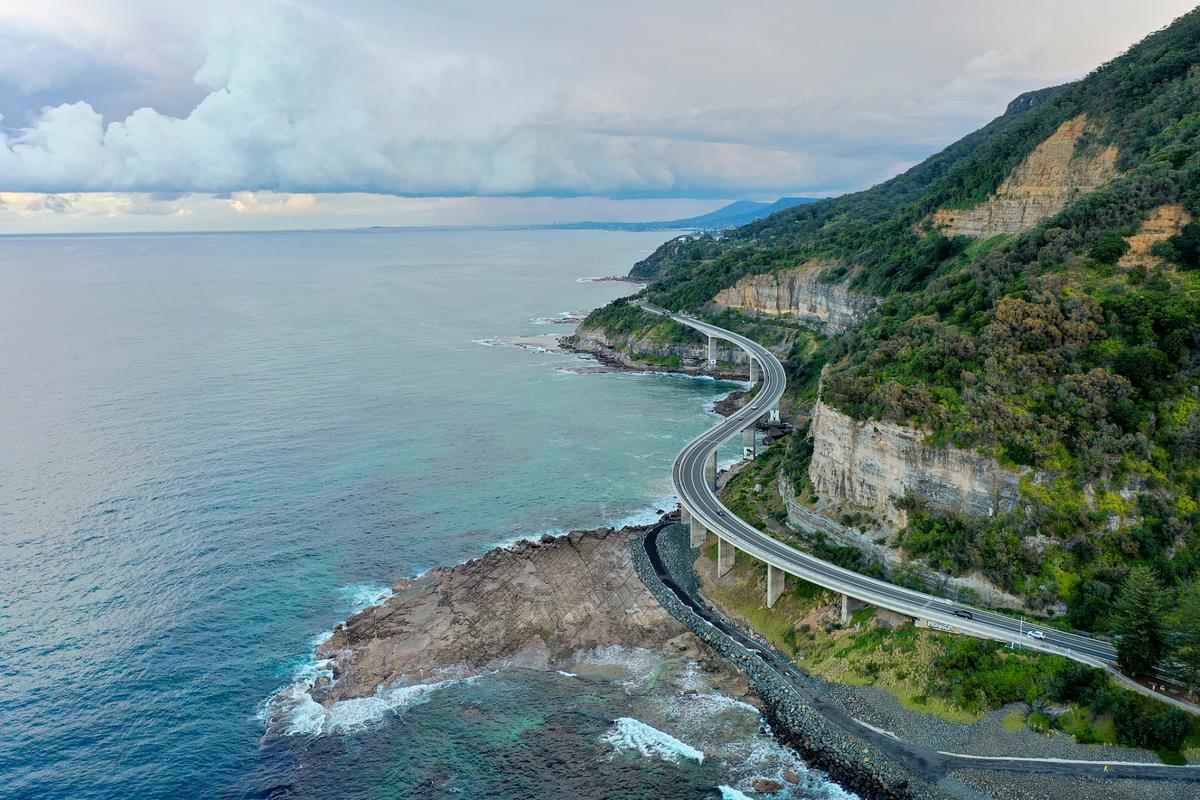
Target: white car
[1036, 634]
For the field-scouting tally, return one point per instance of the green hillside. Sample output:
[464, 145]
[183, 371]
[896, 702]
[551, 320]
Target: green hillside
[1042, 348]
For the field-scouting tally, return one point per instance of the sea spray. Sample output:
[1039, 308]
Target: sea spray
[628, 733]
[360, 596]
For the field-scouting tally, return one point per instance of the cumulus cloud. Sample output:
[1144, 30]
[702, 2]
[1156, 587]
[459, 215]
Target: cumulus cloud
[532, 99]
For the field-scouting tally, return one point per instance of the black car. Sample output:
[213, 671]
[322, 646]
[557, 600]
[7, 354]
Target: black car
[958, 612]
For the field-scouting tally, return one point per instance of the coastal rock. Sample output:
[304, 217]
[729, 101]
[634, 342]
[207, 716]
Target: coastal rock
[799, 293]
[532, 604]
[766, 786]
[1040, 186]
[646, 354]
[1164, 222]
[874, 464]
[730, 403]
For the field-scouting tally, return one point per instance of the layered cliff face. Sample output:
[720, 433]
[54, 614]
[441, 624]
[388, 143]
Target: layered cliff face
[875, 464]
[1041, 186]
[798, 293]
[975, 587]
[1163, 223]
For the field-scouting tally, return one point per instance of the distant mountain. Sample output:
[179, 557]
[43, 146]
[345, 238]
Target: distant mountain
[737, 213]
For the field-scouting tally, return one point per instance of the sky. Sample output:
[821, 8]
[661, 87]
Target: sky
[120, 115]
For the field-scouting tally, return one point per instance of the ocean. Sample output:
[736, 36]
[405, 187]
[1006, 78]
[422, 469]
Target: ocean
[214, 447]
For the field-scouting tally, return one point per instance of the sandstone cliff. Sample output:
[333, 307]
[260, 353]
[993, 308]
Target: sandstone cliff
[531, 604]
[798, 293]
[1039, 187]
[1163, 223]
[966, 587]
[874, 464]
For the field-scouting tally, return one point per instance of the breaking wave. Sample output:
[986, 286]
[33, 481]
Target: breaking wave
[307, 717]
[293, 711]
[362, 595]
[628, 733]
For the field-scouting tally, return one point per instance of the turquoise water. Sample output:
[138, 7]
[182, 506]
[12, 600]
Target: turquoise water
[214, 446]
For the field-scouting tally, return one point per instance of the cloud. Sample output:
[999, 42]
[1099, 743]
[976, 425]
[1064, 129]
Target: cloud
[32, 206]
[532, 99]
[55, 204]
[271, 204]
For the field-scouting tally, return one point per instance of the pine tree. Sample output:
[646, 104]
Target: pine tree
[1186, 621]
[1138, 620]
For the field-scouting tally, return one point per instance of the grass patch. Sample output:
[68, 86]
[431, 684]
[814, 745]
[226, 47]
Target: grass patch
[1014, 720]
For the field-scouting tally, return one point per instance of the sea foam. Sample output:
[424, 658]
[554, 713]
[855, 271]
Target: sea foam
[361, 595]
[293, 710]
[628, 733]
[730, 793]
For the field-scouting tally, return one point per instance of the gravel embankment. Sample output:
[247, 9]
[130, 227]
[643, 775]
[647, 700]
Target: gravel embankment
[849, 760]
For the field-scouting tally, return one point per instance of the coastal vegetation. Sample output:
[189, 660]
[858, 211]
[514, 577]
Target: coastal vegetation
[956, 678]
[1067, 348]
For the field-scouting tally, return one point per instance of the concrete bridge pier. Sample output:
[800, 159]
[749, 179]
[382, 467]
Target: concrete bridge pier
[849, 606]
[725, 554]
[712, 352]
[753, 372]
[697, 533]
[750, 441]
[773, 415]
[710, 470]
[775, 578]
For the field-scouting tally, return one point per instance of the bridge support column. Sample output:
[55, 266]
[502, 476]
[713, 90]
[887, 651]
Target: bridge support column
[698, 535]
[710, 470]
[773, 415]
[775, 577]
[753, 372]
[712, 352]
[849, 606]
[749, 442]
[725, 554]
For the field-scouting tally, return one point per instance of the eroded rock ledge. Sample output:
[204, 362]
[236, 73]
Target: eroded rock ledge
[532, 604]
[873, 464]
[799, 293]
[648, 355]
[1039, 187]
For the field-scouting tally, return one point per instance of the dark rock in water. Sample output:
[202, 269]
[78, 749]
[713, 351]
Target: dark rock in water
[766, 786]
[547, 538]
[791, 778]
[730, 403]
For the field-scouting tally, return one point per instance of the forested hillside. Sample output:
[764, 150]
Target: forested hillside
[1066, 347]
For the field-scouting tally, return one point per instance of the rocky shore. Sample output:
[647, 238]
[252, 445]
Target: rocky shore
[689, 358]
[531, 604]
[547, 604]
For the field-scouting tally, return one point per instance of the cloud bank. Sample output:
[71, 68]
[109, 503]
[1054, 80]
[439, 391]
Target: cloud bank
[536, 99]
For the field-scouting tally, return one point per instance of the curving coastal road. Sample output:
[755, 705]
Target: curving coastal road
[693, 478]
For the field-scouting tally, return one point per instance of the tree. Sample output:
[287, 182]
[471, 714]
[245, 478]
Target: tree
[1186, 622]
[1139, 621]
